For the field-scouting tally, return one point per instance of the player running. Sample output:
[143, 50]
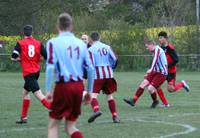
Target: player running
[68, 55]
[27, 51]
[155, 76]
[172, 60]
[104, 61]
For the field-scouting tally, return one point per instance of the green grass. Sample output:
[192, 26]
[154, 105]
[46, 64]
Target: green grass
[137, 122]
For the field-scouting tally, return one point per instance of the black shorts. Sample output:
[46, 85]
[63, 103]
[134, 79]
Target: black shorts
[31, 82]
[171, 78]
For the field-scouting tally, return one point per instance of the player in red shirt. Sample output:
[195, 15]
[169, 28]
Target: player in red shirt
[27, 51]
[172, 60]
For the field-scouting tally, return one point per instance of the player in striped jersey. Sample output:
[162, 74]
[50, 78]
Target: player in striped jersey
[155, 76]
[67, 55]
[104, 60]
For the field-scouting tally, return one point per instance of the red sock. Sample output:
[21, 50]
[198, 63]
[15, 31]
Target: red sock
[178, 86]
[162, 96]
[95, 105]
[112, 107]
[77, 134]
[138, 93]
[46, 103]
[25, 106]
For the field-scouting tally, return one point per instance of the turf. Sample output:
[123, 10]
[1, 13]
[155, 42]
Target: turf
[181, 120]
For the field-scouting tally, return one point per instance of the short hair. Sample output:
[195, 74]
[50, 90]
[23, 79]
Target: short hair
[95, 36]
[28, 29]
[163, 34]
[150, 42]
[64, 21]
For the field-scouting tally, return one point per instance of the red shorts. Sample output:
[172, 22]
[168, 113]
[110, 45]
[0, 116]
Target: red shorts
[108, 86]
[67, 99]
[156, 79]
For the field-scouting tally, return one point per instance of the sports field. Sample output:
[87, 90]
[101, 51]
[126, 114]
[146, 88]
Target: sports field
[181, 120]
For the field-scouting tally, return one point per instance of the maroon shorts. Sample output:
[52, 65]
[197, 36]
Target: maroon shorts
[67, 99]
[108, 86]
[156, 79]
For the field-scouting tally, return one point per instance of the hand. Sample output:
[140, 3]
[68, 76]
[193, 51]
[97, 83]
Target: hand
[87, 98]
[49, 96]
[16, 59]
[148, 71]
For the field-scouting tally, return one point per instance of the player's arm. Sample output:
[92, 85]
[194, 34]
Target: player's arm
[113, 58]
[155, 60]
[16, 53]
[89, 66]
[50, 67]
[174, 57]
[43, 52]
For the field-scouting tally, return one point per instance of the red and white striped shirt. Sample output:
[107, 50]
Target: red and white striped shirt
[159, 63]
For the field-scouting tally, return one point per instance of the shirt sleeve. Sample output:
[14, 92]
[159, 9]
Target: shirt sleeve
[91, 56]
[174, 57]
[113, 58]
[16, 51]
[90, 70]
[43, 51]
[50, 66]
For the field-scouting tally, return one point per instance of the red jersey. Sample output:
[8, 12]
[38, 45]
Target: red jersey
[29, 49]
[172, 58]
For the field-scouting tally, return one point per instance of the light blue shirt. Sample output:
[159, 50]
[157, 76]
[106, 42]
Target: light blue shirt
[68, 55]
[103, 59]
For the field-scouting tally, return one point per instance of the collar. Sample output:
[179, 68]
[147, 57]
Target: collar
[66, 33]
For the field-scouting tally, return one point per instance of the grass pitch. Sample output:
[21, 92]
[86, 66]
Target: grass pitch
[181, 120]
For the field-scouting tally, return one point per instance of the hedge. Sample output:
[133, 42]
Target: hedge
[131, 42]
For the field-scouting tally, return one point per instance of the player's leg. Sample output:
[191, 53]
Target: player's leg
[138, 93]
[172, 87]
[25, 107]
[155, 83]
[53, 127]
[40, 96]
[180, 85]
[94, 102]
[152, 91]
[71, 129]
[112, 107]
[95, 108]
[162, 97]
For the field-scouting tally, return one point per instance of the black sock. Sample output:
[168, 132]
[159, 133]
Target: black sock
[154, 97]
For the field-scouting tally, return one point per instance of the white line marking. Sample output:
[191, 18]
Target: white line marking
[183, 114]
[21, 129]
[189, 128]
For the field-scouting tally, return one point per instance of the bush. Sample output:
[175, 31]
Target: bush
[131, 42]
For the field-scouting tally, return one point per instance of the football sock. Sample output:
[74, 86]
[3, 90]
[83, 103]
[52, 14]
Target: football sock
[25, 106]
[178, 86]
[162, 96]
[154, 96]
[112, 107]
[95, 105]
[46, 103]
[77, 134]
[138, 93]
